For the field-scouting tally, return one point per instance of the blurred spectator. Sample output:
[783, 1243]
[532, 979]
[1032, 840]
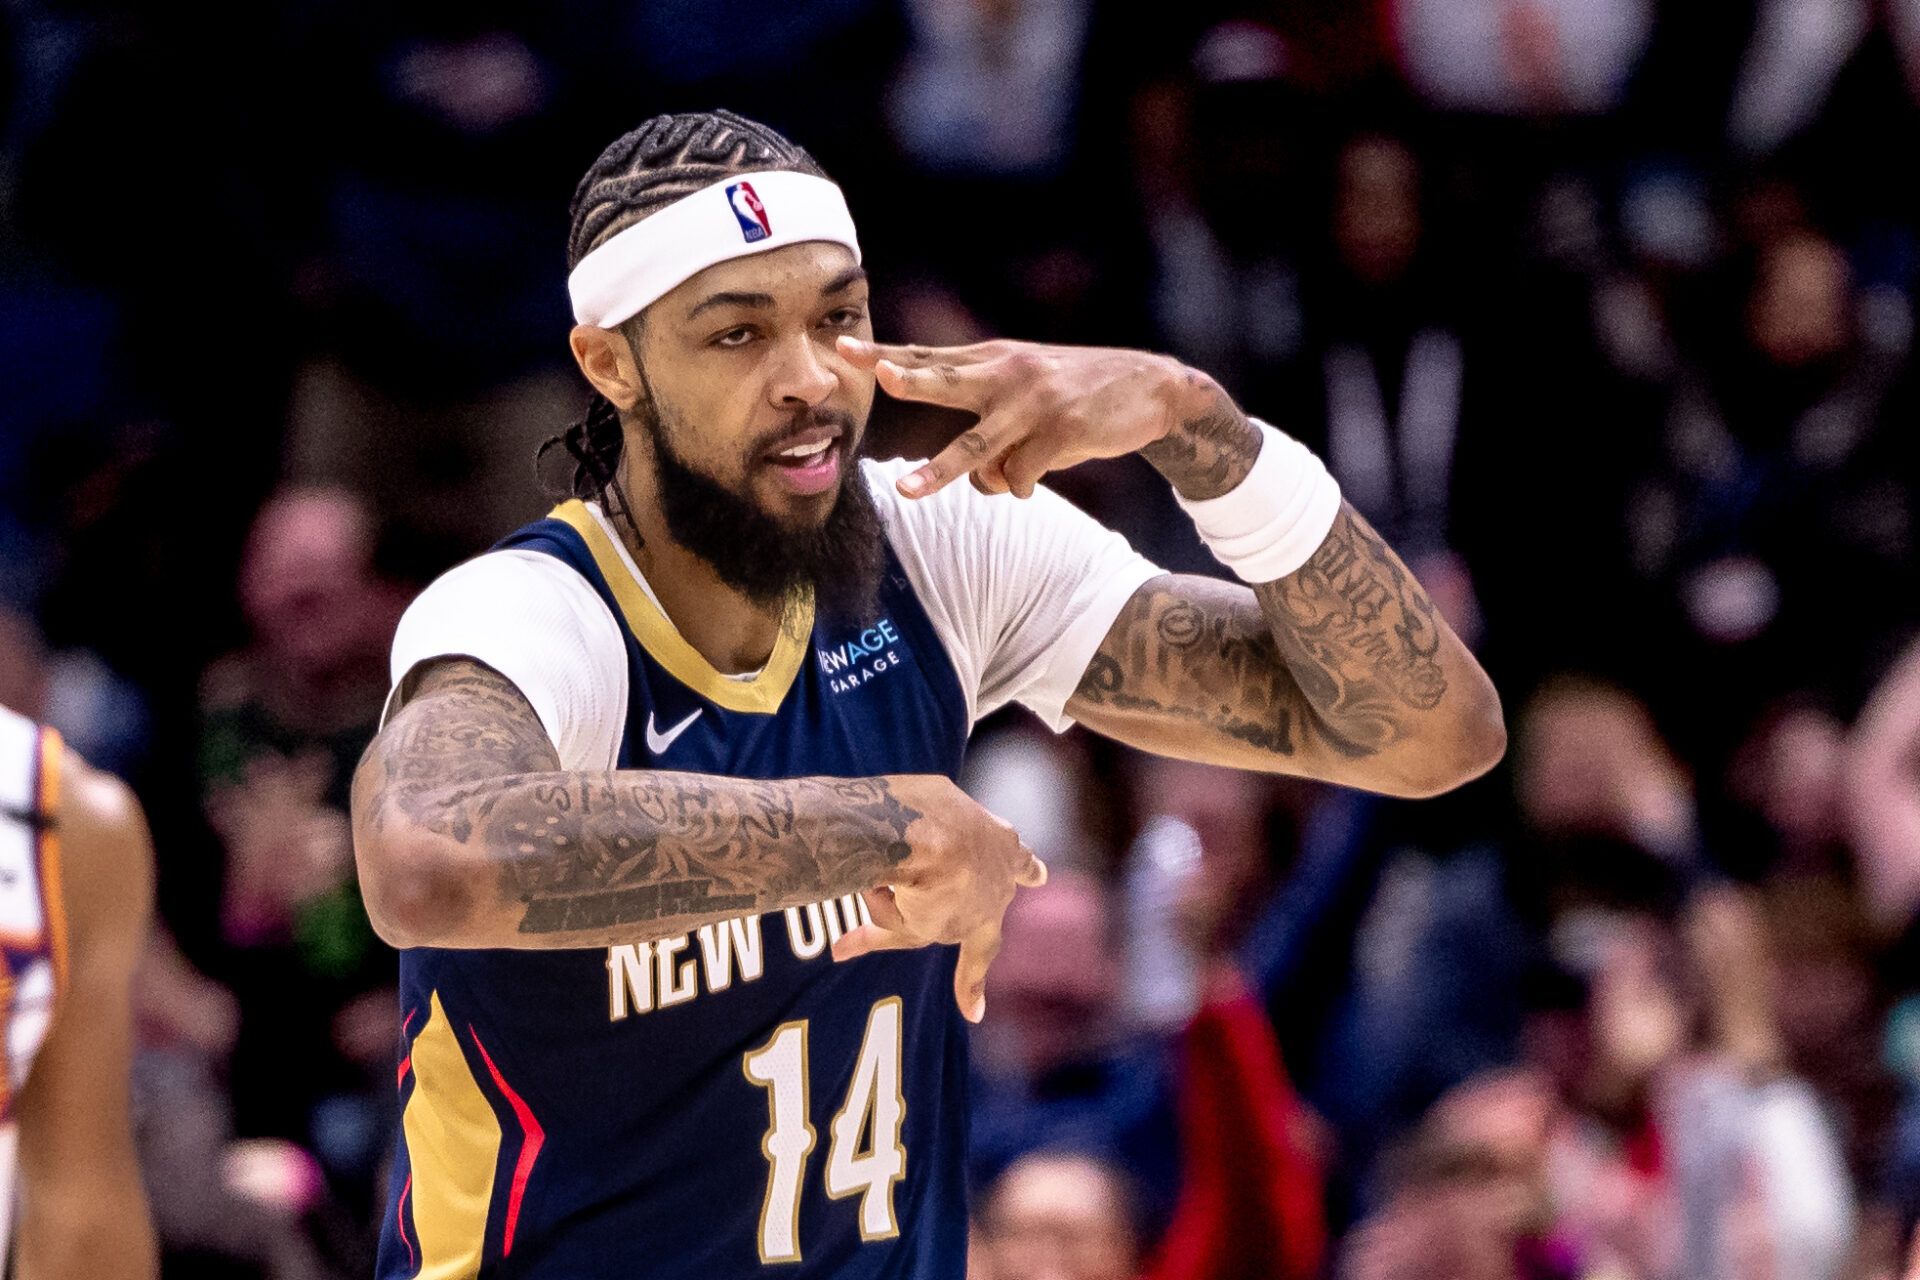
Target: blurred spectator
[1817, 899]
[1591, 762]
[1777, 502]
[1183, 1083]
[1059, 1216]
[1251, 1200]
[1883, 819]
[1692, 1158]
[1388, 383]
[1249, 1203]
[1199, 868]
[1881, 804]
[1055, 1066]
[1627, 1150]
[1474, 1197]
[451, 144]
[996, 104]
[1521, 56]
[222, 1207]
[1041, 785]
[989, 89]
[284, 722]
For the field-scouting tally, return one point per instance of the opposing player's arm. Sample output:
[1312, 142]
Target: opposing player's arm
[468, 833]
[83, 1211]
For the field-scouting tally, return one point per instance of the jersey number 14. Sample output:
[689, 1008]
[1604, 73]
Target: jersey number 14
[873, 1106]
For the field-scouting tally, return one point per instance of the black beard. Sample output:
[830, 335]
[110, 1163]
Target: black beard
[841, 558]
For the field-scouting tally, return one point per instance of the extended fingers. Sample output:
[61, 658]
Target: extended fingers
[971, 450]
[872, 937]
[970, 973]
[942, 383]
[909, 355]
[883, 910]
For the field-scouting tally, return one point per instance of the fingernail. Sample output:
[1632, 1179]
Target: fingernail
[979, 1008]
[913, 484]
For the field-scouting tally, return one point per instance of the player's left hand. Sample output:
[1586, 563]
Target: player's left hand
[1041, 408]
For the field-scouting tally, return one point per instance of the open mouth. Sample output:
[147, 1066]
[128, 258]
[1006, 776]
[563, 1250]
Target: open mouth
[809, 462]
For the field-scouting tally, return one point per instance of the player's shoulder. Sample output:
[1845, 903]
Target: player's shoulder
[934, 534]
[93, 815]
[507, 580]
[96, 809]
[105, 853]
[958, 519]
[532, 616]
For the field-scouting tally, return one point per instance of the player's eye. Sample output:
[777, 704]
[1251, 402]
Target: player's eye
[736, 337]
[844, 317]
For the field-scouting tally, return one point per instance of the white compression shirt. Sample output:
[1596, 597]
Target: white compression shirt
[1021, 593]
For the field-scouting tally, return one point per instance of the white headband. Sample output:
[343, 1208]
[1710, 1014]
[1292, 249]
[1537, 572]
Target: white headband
[738, 215]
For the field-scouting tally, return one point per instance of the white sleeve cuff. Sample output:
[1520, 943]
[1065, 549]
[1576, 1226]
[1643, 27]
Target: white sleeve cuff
[1273, 521]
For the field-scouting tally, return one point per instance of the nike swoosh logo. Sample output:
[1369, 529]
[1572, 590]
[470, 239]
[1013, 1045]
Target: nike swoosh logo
[658, 741]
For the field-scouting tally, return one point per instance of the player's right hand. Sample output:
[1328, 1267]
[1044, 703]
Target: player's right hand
[953, 888]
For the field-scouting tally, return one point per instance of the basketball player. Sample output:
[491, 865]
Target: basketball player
[662, 811]
[76, 881]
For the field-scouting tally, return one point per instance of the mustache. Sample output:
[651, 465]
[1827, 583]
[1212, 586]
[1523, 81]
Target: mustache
[806, 420]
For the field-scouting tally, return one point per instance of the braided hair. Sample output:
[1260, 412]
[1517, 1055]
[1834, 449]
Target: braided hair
[666, 158]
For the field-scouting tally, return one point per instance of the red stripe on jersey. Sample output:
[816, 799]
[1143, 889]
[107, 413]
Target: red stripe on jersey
[406, 1061]
[401, 1215]
[529, 1146]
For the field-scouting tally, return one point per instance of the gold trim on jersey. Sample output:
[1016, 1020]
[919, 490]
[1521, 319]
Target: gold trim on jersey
[6, 1075]
[52, 898]
[453, 1143]
[761, 695]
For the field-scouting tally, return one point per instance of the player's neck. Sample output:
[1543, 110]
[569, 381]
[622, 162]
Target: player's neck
[731, 630]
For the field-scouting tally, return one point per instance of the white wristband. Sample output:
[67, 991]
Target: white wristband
[1270, 523]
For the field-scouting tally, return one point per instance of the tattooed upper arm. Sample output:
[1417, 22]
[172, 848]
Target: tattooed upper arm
[431, 779]
[1190, 669]
[462, 722]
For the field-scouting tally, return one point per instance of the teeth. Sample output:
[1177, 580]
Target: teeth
[805, 450]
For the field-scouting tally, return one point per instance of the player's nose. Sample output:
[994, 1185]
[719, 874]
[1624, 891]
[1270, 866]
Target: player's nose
[800, 376]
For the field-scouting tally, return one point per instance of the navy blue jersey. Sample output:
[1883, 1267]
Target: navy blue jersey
[727, 1103]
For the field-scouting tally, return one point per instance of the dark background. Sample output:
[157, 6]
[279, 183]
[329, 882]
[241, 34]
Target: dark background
[1602, 310]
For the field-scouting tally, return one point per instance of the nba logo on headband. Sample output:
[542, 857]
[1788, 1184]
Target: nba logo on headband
[746, 206]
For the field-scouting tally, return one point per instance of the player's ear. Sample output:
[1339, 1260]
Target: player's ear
[607, 360]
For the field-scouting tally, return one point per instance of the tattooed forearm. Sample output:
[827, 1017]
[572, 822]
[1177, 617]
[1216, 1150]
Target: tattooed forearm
[603, 850]
[1360, 636]
[1209, 452]
[586, 858]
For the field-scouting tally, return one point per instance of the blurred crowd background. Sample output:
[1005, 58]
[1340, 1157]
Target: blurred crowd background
[1602, 310]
